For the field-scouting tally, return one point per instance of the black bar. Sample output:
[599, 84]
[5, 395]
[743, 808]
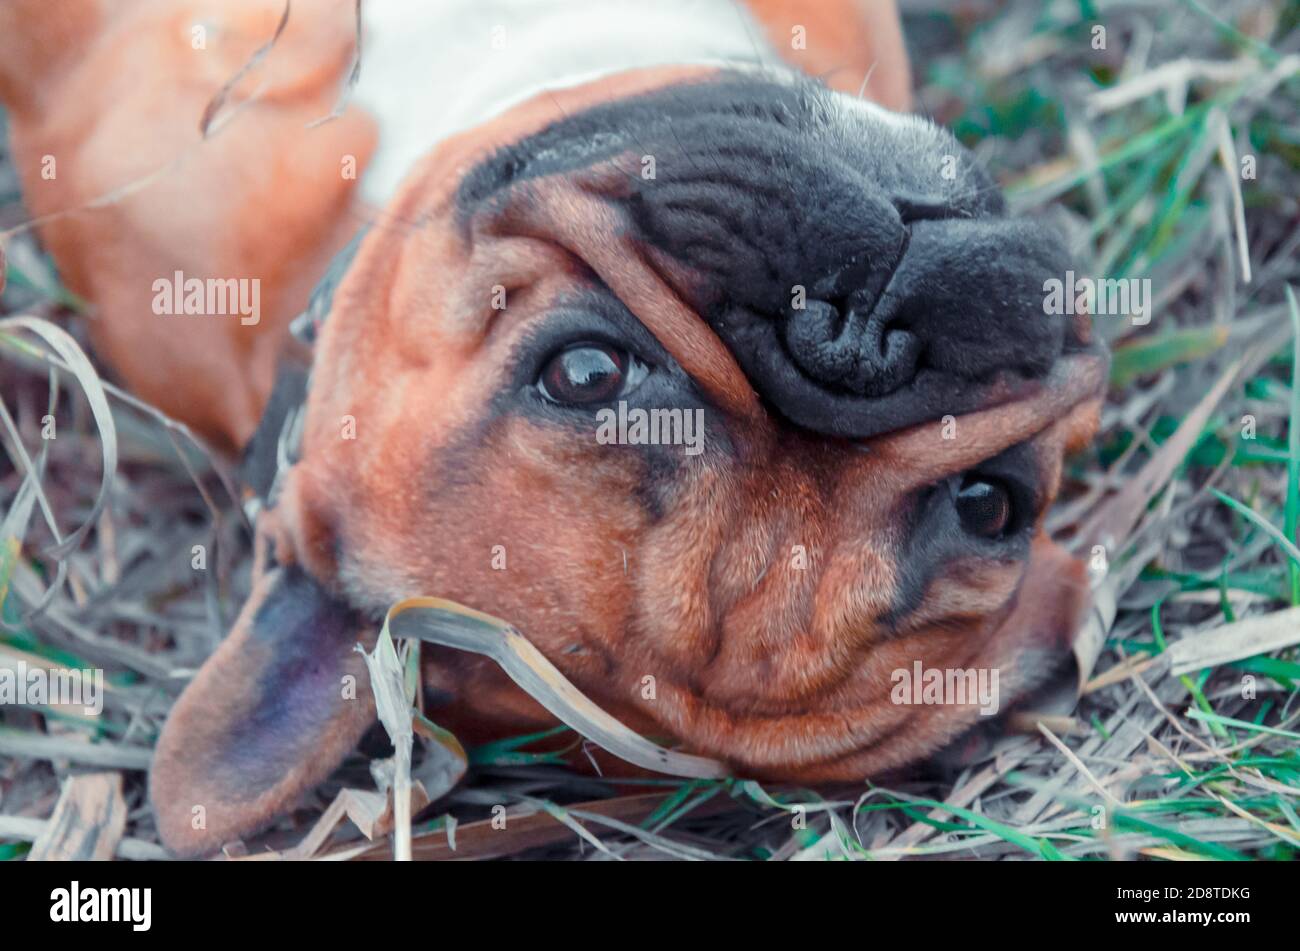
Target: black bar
[331, 901]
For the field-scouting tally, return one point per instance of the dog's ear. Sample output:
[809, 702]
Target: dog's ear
[1053, 598]
[270, 714]
[1045, 619]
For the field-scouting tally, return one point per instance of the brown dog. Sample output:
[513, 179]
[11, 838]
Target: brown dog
[831, 290]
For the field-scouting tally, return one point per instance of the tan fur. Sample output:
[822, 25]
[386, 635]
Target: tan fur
[854, 46]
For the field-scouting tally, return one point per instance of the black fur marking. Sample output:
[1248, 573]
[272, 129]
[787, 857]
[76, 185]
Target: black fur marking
[306, 326]
[260, 463]
[261, 460]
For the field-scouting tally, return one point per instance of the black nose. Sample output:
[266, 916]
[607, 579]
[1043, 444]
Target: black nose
[965, 298]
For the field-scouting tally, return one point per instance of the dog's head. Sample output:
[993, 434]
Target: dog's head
[832, 292]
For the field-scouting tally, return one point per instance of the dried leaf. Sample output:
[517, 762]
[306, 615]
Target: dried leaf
[1260, 634]
[87, 823]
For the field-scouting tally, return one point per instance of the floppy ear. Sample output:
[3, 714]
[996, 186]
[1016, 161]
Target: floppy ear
[270, 714]
[1050, 608]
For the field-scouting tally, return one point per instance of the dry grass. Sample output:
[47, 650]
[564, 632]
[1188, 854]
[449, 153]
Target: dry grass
[1135, 150]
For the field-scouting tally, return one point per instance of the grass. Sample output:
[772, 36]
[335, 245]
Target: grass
[1202, 765]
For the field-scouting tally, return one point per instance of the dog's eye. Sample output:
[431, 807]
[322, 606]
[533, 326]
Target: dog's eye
[589, 373]
[984, 507]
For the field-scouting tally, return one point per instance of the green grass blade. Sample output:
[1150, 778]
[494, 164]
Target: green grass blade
[1269, 528]
[1292, 511]
[1243, 724]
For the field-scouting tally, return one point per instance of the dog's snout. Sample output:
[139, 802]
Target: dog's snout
[918, 336]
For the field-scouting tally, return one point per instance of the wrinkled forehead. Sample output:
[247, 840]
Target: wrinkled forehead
[856, 265]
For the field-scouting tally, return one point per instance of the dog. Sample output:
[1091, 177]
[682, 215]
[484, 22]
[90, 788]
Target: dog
[573, 210]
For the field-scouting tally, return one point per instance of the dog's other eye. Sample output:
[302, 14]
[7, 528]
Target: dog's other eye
[985, 507]
[589, 373]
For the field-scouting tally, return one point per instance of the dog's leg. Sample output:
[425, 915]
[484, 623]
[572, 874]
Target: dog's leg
[854, 46]
[137, 203]
[39, 41]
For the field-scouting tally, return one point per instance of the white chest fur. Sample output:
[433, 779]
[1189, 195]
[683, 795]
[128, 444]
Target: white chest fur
[431, 68]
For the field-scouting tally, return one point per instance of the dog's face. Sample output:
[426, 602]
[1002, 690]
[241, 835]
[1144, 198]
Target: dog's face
[832, 291]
